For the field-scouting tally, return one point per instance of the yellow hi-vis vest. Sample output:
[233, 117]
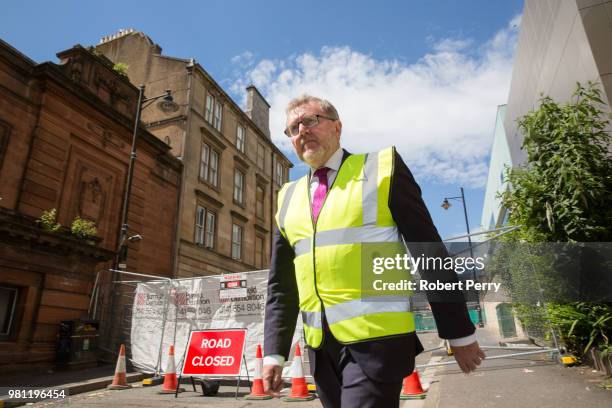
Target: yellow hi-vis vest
[333, 257]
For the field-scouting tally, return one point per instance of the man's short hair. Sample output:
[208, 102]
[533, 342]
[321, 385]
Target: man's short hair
[325, 105]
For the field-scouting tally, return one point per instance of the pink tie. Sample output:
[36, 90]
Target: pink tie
[320, 192]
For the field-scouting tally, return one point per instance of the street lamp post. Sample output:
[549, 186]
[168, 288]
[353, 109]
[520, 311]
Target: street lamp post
[121, 253]
[446, 205]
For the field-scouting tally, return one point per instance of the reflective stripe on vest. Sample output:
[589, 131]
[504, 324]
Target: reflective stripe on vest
[355, 308]
[312, 319]
[285, 206]
[343, 236]
[370, 189]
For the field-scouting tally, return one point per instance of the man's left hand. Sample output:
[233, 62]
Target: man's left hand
[469, 357]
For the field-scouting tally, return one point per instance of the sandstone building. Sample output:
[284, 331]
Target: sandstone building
[232, 170]
[65, 141]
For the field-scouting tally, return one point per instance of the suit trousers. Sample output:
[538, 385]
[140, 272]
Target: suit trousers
[341, 383]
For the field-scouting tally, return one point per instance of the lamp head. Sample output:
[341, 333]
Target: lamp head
[446, 204]
[135, 238]
[167, 103]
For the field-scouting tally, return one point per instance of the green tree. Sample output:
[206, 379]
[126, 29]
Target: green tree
[561, 194]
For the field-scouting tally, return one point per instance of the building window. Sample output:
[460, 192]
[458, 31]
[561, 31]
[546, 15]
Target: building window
[236, 242]
[238, 186]
[259, 202]
[240, 142]
[208, 113]
[199, 225]
[280, 176]
[204, 161]
[8, 305]
[205, 227]
[213, 111]
[218, 113]
[213, 170]
[209, 165]
[259, 252]
[211, 221]
[261, 156]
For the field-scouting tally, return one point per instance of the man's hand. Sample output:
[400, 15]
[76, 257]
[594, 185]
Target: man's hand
[272, 379]
[468, 357]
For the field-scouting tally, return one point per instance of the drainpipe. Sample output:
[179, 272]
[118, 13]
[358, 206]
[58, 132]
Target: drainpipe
[186, 131]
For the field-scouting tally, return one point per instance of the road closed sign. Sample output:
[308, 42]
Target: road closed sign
[215, 352]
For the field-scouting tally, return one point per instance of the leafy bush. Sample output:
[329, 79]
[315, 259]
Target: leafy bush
[82, 228]
[561, 194]
[47, 221]
[583, 325]
[121, 68]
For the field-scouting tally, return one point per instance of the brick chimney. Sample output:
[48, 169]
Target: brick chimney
[258, 109]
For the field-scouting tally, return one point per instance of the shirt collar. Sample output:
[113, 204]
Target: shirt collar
[333, 162]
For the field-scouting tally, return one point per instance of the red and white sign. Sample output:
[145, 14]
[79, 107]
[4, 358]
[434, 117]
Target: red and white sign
[215, 352]
[233, 286]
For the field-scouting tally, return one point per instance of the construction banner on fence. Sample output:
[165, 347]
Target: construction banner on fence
[212, 302]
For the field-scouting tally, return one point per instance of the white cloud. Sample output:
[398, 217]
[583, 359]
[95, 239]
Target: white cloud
[452, 44]
[439, 111]
[245, 59]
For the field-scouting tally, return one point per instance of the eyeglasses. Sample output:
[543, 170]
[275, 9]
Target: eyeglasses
[308, 122]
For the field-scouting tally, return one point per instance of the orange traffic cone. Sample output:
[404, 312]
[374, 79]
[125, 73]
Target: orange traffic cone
[299, 389]
[257, 392]
[120, 381]
[170, 382]
[411, 388]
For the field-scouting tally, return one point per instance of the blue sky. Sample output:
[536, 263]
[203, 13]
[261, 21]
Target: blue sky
[424, 76]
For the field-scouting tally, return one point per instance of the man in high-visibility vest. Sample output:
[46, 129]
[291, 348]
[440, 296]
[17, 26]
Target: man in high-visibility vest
[350, 210]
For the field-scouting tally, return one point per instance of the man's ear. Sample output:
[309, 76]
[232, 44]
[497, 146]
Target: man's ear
[338, 128]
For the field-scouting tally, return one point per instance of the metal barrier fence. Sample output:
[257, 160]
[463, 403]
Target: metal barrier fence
[526, 273]
[114, 297]
[112, 303]
[147, 313]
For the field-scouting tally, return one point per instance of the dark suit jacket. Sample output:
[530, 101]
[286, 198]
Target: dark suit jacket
[381, 359]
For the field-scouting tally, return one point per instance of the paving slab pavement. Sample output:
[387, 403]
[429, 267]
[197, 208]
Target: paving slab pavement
[522, 381]
[140, 396]
[525, 381]
[72, 381]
